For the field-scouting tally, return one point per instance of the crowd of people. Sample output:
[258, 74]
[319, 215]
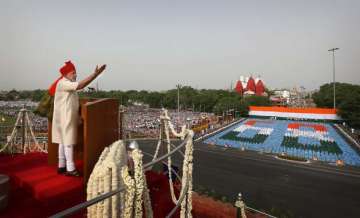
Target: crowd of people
[39, 124]
[10, 110]
[137, 121]
[146, 121]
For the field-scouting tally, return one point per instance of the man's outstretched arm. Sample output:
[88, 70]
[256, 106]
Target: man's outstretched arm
[83, 83]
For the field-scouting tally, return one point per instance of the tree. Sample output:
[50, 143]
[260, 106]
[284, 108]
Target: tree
[347, 101]
[324, 97]
[12, 95]
[25, 94]
[254, 100]
[37, 94]
[154, 99]
[170, 100]
[230, 103]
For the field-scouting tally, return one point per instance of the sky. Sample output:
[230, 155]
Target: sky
[154, 45]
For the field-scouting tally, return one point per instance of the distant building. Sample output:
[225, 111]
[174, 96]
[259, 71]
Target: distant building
[250, 86]
[295, 97]
[283, 93]
[280, 97]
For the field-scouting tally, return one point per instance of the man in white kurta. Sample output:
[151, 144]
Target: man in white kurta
[66, 114]
[65, 121]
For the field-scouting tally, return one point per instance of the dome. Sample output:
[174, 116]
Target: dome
[251, 85]
[260, 88]
[239, 87]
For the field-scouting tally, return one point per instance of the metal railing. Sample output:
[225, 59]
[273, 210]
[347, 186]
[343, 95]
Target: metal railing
[258, 211]
[102, 197]
[181, 198]
[241, 207]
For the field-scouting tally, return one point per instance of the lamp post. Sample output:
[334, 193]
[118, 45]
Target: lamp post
[333, 53]
[178, 97]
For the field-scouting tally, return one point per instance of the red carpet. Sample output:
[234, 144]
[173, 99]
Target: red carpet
[160, 194]
[36, 189]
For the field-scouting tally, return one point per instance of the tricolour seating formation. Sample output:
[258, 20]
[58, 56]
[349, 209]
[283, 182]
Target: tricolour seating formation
[308, 140]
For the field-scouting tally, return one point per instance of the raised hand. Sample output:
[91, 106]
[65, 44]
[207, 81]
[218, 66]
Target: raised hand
[83, 83]
[100, 70]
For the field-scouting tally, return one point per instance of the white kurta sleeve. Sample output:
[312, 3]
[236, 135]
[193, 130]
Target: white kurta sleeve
[68, 86]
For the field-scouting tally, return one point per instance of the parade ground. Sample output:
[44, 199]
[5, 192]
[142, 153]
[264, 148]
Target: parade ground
[305, 190]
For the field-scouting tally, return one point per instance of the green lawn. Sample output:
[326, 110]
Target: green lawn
[6, 125]
[6, 120]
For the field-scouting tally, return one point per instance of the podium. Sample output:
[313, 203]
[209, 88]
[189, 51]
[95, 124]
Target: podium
[99, 128]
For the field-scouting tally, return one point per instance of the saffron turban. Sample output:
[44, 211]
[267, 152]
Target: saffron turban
[67, 68]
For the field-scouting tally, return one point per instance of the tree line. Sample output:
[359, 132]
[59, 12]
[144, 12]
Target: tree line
[347, 100]
[204, 100]
[215, 100]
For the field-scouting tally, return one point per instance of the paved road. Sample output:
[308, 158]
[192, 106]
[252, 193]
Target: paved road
[307, 190]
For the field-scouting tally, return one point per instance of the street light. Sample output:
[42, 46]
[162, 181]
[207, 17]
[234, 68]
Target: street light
[333, 53]
[178, 97]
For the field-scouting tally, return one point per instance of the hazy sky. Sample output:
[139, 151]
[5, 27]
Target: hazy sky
[154, 45]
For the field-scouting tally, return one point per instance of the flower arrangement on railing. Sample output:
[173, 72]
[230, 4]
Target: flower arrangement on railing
[112, 173]
[186, 181]
[141, 189]
[105, 177]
